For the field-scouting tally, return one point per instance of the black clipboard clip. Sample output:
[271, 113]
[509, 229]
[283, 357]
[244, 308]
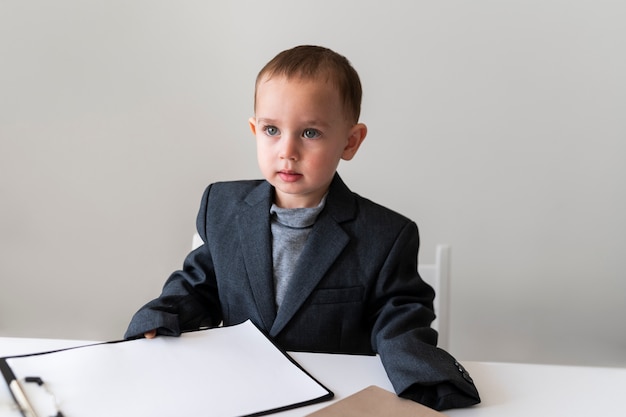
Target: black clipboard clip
[37, 380]
[26, 408]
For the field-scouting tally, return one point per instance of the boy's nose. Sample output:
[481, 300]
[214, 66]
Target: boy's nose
[289, 148]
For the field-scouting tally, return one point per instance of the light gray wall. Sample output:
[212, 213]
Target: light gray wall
[499, 126]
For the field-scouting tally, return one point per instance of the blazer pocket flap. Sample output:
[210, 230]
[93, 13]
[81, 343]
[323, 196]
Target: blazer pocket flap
[337, 295]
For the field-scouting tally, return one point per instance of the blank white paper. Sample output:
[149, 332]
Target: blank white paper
[223, 372]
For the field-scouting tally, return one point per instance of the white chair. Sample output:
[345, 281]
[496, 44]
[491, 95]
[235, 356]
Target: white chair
[437, 275]
[196, 242]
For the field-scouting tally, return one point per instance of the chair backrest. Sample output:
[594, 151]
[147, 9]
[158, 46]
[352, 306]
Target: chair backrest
[196, 241]
[437, 275]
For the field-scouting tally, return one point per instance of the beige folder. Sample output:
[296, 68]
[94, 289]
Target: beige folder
[374, 401]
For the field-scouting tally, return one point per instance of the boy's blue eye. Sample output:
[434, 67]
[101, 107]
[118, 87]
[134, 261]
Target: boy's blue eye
[271, 130]
[310, 133]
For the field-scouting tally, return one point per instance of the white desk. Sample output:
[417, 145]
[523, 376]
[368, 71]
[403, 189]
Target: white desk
[507, 390]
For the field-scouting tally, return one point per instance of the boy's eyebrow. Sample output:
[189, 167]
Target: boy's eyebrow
[265, 120]
[312, 122]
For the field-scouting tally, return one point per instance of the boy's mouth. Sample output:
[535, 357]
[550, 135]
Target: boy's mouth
[289, 176]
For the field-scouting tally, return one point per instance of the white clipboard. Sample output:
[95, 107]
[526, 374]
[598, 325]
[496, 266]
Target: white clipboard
[223, 372]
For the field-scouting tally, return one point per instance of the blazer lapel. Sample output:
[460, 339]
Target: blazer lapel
[256, 244]
[325, 243]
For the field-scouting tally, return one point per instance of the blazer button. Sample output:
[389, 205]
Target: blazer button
[463, 372]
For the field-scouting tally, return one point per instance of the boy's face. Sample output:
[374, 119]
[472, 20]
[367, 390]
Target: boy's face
[302, 133]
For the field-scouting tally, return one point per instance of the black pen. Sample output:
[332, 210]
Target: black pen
[17, 391]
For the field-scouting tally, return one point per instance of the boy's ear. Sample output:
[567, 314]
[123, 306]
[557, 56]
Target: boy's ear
[252, 122]
[357, 136]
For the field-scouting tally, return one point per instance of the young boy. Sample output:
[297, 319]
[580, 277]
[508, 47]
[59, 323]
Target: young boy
[315, 266]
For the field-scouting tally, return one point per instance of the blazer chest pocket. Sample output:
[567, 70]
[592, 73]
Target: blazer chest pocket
[337, 295]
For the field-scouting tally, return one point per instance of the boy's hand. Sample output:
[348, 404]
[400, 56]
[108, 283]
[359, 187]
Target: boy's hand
[150, 334]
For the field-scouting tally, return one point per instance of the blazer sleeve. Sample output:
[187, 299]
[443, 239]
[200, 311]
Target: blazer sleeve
[189, 298]
[406, 343]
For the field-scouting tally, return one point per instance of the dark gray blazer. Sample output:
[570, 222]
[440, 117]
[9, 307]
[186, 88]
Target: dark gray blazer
[356, 288]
